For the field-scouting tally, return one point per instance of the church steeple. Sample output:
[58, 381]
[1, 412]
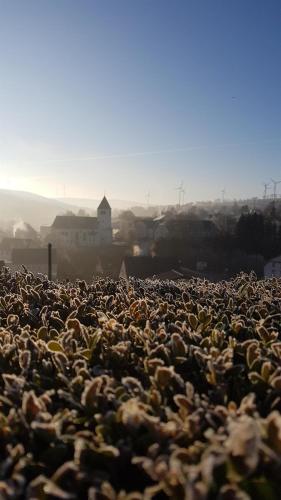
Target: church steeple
[104, 222]
[104, 205]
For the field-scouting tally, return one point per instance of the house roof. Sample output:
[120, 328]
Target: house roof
[104, 204]
[190, 273]
[74, 222]
[147, 221]
[170, 275]
[182, 273]
[160, 218]
[145, 267]
[204, 223]
[195, 226]
[27, 256]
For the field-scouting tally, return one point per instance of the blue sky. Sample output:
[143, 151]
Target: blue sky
[131, 96]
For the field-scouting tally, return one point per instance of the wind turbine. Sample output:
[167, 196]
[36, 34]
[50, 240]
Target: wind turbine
[148, 198]
[266, 186]
[180, 190]
[275, 184]
[183, 195]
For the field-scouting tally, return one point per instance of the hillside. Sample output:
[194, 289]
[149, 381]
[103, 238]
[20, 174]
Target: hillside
[92, 204]
[140, 390]
[38, 210]
[32, 208]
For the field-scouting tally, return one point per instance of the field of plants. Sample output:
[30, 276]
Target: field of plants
[140, 390]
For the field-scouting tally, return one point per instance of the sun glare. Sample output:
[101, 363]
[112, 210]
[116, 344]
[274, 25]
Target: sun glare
[38, 185]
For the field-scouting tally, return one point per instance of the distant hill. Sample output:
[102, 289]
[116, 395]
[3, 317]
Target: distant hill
[29, 207]
[38, 210]
[92, 204]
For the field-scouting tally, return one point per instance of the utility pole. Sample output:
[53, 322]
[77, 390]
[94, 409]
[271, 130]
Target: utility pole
[50, 261]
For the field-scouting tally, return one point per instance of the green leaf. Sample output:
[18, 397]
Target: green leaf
[54, 346]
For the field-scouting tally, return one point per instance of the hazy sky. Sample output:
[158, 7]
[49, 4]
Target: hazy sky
[131, 96]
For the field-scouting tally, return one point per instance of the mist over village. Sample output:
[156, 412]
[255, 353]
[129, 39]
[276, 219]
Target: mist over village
[140, 250]
[213, 240]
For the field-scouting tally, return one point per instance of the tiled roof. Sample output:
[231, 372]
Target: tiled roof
[74, 222]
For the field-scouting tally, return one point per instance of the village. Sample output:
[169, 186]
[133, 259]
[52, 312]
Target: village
[182, 242]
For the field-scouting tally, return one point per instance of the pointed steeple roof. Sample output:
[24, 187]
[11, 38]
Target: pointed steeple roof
[104, 204]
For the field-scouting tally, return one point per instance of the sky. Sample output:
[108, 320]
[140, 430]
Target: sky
[130, 97]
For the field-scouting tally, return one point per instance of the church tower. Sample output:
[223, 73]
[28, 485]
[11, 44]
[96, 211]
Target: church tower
[104, 222]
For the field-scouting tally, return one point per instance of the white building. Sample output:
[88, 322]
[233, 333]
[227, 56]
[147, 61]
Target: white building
[74, 231]
[273, 268]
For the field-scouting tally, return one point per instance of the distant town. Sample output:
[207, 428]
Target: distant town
[212, 240]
